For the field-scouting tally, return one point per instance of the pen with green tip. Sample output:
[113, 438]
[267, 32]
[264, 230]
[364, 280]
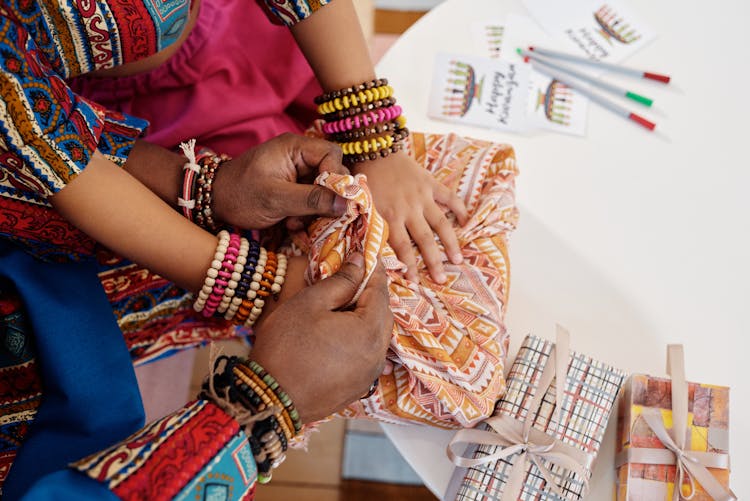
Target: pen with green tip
[614, 89]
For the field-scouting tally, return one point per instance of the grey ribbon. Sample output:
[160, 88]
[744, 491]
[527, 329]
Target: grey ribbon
[691, 465]
[512, 436]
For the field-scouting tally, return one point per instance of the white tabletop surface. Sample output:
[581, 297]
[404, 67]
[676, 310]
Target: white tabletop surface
[630, 239]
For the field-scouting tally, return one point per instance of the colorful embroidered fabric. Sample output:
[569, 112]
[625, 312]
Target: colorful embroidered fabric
[20, 383]
[155, 316]
[90, 387]
[49, 134]
[48, 137]
[290, 12]
[81, 37]
[198, 452]
[590, 393]
[449, 342]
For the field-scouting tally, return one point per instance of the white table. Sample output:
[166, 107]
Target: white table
[630, 239]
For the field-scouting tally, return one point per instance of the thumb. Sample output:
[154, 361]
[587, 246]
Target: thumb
[310, 200]
[338, 290]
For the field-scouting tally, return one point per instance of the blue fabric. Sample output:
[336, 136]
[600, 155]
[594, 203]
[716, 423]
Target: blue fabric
[90, 394]
[68, 485]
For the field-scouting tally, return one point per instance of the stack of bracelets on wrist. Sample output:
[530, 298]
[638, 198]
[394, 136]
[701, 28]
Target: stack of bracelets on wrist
[242, 277]
[364, 120]
[197, 187]
[247, 384]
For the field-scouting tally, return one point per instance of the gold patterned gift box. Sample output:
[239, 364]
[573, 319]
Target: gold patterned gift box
[653, 413]
[544, 437]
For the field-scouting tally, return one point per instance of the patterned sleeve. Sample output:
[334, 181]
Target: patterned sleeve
[290, 12]
[197, 452]
[54, 131]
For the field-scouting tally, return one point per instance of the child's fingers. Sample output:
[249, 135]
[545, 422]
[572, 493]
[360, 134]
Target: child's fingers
[424, 237]
[401, 243]
[448, 197]
[445, 231]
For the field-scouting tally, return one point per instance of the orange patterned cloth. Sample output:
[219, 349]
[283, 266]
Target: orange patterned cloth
[449, 343]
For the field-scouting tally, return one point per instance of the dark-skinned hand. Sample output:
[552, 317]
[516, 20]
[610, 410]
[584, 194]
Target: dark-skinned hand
[323, 356]
[266, 184]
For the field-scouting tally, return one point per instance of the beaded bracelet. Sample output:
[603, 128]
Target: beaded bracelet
[268, 285]
[252, 301]
[378, 82]
[282, 395]
[357, 157]
[204, 198]
[213, 272]
[246, 289]
[368, 132]
[245, 280]
[246, 383]
[356, 110]
[367, 145]
[268, 391]
[191, 168]
[241, 278]
[225, 272]
[233, 281]
[355, 99]
[374, 130]
[363, 120]
[268, 398]
[266, 282]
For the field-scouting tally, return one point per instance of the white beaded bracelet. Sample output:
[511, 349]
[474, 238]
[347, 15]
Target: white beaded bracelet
[213, 271]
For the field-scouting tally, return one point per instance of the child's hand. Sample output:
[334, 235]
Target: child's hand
[406, 195]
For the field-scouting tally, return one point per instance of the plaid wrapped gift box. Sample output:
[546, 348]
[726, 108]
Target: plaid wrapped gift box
[705, 422]
[590, 390]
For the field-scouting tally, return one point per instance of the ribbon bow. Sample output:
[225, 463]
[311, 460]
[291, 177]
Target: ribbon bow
[692, 465]
[514, 437]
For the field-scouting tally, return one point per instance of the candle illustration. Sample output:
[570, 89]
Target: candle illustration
[614, 27]
[461, 89]
[557, 100]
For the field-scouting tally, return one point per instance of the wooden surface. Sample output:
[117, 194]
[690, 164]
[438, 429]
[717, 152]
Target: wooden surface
[395, 21]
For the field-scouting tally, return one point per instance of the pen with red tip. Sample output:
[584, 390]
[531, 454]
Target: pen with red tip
[601, 101]
[599, 64]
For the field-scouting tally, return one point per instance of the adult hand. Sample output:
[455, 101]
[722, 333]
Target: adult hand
[323, 357]
[262, 186]
[407, 196]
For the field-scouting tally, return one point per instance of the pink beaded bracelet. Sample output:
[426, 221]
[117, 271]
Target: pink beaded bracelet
[365, 119]
[213, 272]
[227, 305]
[225, 272]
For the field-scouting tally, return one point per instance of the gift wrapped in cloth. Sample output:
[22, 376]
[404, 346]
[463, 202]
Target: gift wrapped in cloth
[543, 439]
[449, 342]
[673, 438]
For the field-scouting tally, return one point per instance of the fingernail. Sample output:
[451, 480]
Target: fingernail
[356, 259]
[388, 368]
[457, 258]
[339, 205]
[440, 278]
